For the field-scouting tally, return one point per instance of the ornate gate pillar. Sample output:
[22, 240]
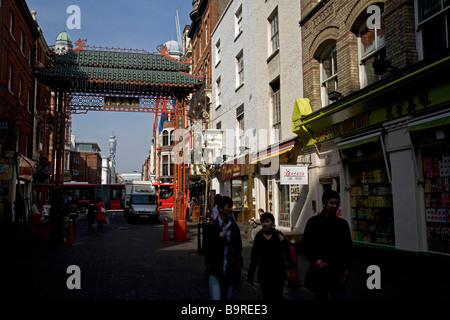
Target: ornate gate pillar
[59, 137]
[179, 176]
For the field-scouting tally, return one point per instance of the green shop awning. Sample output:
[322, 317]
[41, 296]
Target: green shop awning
[436, 121]
[359, 141]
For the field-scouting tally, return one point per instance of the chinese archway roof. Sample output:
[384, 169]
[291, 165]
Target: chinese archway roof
[101, 71]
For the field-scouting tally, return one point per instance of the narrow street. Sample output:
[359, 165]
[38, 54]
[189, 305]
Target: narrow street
[130, 261]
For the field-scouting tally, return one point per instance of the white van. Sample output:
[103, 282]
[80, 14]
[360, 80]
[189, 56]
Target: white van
[141, 200]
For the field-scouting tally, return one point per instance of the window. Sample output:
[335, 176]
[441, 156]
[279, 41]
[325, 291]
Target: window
[434, 26]
[21, 40]
[328, 73]
[11, 23]
[10, 77]
[219, 125]
[240, 69]
[76, 160]
[240, 127]
[276, 111]
[218, 52]
[30, 57]
[218, 94]
[75, 172]
[284, 204]
[29, 101]
[236, 193]
[19, 93]
[165, 165]
[371, 48]
[165, 138]
[238, 22]
[274, 37]
[172, 137]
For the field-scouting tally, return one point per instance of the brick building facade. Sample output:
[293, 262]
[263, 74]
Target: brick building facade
[340, 24]
[86, 163]
[23, 102]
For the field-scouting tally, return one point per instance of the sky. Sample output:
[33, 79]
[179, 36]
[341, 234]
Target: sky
[132, 24]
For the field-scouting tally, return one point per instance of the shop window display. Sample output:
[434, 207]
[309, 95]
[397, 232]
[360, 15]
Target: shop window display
[370, 196]
[432, 139]
[436, 177]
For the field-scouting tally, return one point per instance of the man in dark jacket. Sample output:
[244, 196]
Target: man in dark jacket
[327, 245]
[223, 252]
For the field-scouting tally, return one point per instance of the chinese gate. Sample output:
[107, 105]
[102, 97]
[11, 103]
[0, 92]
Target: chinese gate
[99, 79]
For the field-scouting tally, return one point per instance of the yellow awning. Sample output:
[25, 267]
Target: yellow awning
[274, 151]
[302, 108]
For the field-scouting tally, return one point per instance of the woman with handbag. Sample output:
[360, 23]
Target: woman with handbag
[271, 254]
[101, 213]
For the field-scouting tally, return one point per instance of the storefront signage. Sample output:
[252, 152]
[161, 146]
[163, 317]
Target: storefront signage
[388, 111]
[358, 122]
[293, 175]
[230, 171]
[295, 193]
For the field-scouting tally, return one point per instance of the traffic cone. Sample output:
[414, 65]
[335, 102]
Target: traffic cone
[294, 279]
[70, 240]
[166, 230]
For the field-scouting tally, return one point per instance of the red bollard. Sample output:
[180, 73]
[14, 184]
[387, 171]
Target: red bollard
[294, 279]
[70, 240]
[166, 230]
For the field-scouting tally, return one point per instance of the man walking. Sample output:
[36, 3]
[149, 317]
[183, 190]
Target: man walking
[327, 245]
[223, 252]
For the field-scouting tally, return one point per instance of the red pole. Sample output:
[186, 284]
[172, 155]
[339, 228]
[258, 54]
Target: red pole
[166, 230]
[70, 240]
[294, 279]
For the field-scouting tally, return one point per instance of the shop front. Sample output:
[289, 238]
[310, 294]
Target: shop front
[238, 180]
[391, 143]
[431, 141]
[275, 195]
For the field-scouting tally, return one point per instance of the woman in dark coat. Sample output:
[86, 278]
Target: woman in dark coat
[271, 254]
[223, 252]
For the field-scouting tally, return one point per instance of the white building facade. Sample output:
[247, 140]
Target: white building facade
[257, 76]
[234, 103]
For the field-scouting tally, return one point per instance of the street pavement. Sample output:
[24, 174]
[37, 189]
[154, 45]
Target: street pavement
[131, 262]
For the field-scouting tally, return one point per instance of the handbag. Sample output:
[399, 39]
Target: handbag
[102, 210]
[106, 220]
[288, 263]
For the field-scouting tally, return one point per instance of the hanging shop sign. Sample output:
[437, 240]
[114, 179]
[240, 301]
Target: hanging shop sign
[59, 130]
[293, 175]
[213, 138]
[26, 168]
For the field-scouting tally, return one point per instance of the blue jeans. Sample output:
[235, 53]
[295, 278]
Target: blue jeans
[220, 290]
